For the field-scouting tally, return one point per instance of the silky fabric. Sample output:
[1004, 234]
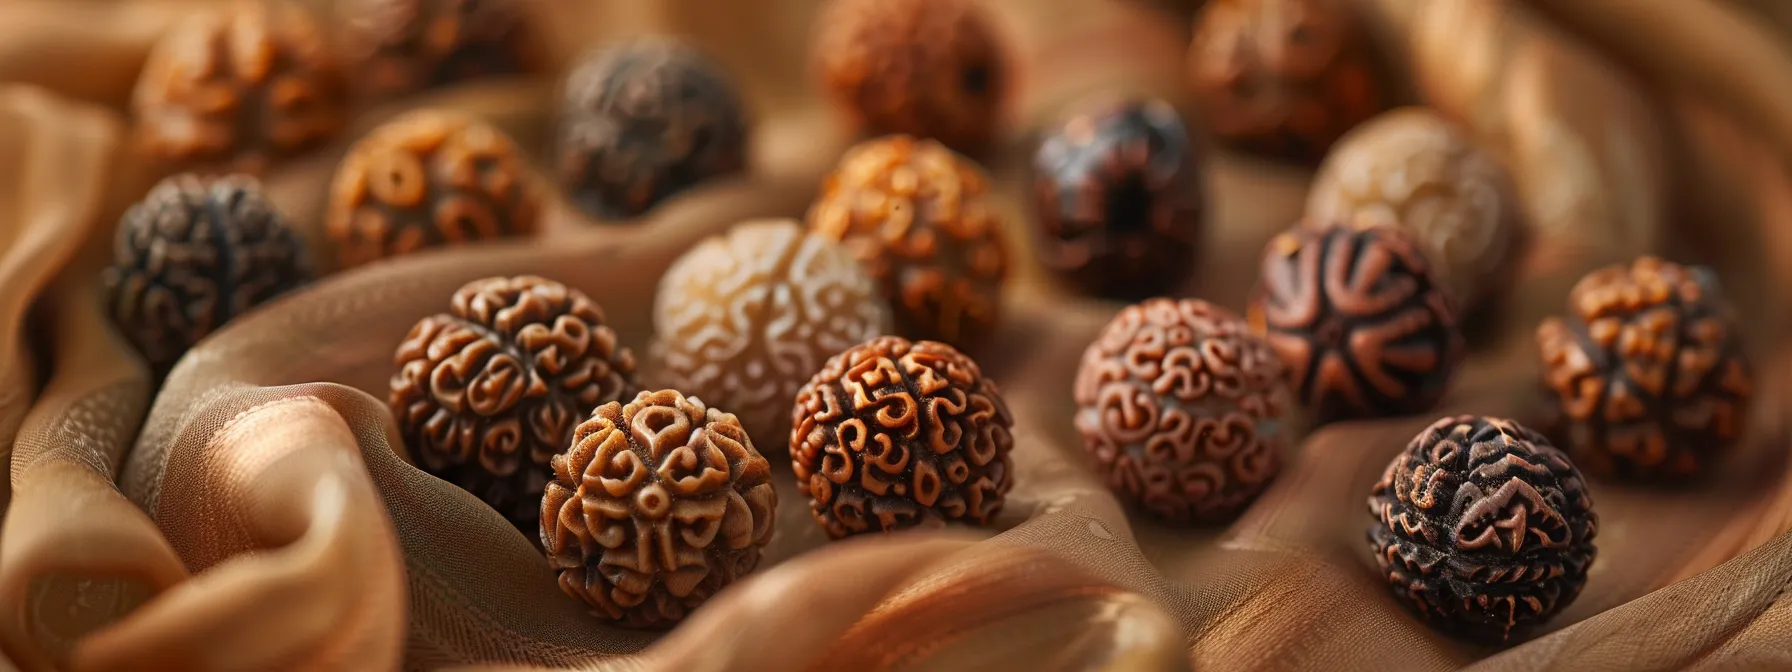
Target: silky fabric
[257, 511]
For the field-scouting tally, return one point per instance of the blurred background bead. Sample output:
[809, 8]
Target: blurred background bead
[643, 120]
[429, 178]
[403, 46]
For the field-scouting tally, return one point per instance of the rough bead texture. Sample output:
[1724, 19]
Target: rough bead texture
[1359, 320]
[488, 392]
[1414, 169]
[1118, 194]
[240, 88]
[918, 216]
[643, 120]
[403, 46]
[745, 318]
[1482, 528]
[192, 255]
[1283, 77]
[892, 435]
[1646, 375]
[1182, 409]
[928, 68]
[658, 504]
[428, 179]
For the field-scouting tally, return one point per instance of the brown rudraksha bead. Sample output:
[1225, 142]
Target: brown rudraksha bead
[402, 46]
[1360, 322]
[745, 318]
[658, 504]
[1182, 409]
[194, 254]
[1119, 199]
[892, 435]
[643, 120]
[241, 88]
[918, 216]
[1482, 528]
[429, 178]
[928, 68]
[1645, 374]
[487, 393]
[1283, 77]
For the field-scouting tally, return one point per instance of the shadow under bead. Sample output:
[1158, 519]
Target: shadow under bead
[1359, 320]
[892, 435]
[1118, 196]
[643, 120]
[1646, 377]
[194, 254]
[658, 504]
[1483, 529]
[429, 178]
[1182, 409]
[404, 46]
[487, 393]
[242, 88]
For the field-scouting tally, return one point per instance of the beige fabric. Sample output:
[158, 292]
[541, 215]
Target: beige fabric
[263, 517]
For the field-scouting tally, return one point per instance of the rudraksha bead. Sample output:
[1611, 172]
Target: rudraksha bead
[429, 178]
[918, 216]
[1182, 409]
[1118, 195]
[1359, 320]
[487, 393]
[658, 504]
[745, 318]
[194, 254]
[1283, 77]
[241, 89]
[403, 46]
[1482, 528]
[643, 120]
[1645, 374]
[892, 435]
[928, 68]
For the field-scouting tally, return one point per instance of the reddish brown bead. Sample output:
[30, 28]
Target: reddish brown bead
[1359, 320]
[1482, 528]
[1283, 77]
[927, 68]
[428, 179]
[488, 392]
[403, 46]
[1182, 409]
[892, 435]
[658, 504]
[918, 216]
[241, 88]
[1646, 375]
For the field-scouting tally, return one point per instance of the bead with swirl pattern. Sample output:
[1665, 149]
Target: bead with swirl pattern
[892, 435]
[1482, 528]
[487, 393]
[657, 504]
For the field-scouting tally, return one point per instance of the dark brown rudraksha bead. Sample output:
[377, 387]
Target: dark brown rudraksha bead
[487, 393]
[643, 120]
[918, 216]
[427, 179]
[402, 46]
[1119, 199]
[1646, 377]
[1283, 77]
[240, 88]
[658, 504]
[927, 68]
[194, 254]
[1182, 409]
[1359, 320]
[892, 435]
[1482, 528]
